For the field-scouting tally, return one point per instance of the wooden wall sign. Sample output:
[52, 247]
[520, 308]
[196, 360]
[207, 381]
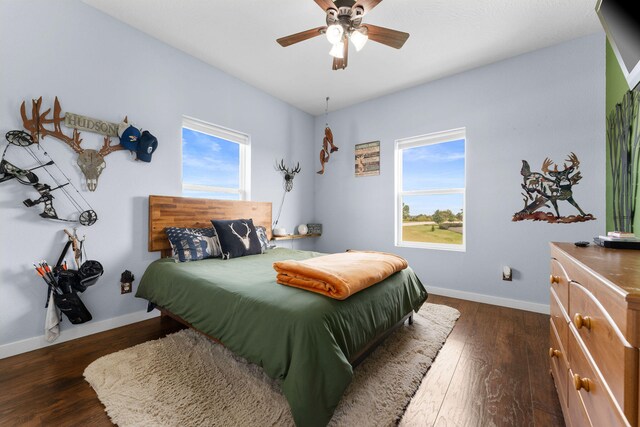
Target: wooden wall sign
[76, 121]
[367, 159]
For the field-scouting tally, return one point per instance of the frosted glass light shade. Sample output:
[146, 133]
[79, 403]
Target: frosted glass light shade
[334, 33]
[337, 51]
[359, 39]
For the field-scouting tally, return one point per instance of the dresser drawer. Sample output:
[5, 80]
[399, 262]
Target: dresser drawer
[558, 364]
[575, 407]
[602, 342]
[559, 318]
[614, 357]
[600, 405]
[560, 283]
[573, 271]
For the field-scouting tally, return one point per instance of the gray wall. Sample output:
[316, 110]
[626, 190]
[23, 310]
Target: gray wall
[102, 68]
[546, 103]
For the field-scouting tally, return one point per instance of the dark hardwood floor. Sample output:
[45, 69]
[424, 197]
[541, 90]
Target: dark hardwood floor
[492, 371]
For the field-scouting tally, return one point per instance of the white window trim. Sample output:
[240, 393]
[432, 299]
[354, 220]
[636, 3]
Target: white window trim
[416, 141]
[242, 139]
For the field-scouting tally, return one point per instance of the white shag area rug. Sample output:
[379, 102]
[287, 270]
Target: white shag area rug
[185, 379]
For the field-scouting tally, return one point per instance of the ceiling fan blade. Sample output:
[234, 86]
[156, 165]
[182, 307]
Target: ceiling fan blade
[298, 37]
[325, 4]
[367, 4]
[345, 52]
[386, 36]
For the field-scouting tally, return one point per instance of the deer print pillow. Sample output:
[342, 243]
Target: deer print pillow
[237, 238]
[192, 244]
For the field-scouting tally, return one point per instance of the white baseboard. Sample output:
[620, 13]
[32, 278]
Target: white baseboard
[488, 299]
[13, 348]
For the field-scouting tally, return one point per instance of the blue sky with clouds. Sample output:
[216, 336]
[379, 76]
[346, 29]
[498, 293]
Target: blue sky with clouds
[207, 160]
[430, 167]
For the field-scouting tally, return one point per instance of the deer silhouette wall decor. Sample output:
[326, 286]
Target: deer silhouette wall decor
[550, 186]
[91, 162]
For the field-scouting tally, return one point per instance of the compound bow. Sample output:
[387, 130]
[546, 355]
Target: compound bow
[10, 171]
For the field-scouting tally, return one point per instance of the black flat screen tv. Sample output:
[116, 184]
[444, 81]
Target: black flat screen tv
[622, 26]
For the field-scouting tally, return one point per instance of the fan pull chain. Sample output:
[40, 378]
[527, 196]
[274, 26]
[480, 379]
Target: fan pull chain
[326, 114]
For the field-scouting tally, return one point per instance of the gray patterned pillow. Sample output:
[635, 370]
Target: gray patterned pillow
[193, 244]
[262, 236]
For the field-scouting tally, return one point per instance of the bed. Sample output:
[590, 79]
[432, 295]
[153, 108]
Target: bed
[308, 341]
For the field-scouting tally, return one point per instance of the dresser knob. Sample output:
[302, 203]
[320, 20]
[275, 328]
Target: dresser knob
[584, 383]
[554, 279]
[579, 320]
[553, 352]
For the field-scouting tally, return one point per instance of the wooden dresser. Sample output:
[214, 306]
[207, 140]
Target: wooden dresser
[595, 334]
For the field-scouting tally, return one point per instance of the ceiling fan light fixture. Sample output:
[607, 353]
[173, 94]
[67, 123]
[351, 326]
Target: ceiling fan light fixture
[334, 33]
[359, 38]
[344, 23]
[337, 51]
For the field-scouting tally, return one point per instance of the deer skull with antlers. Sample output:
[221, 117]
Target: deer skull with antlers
[91, 162]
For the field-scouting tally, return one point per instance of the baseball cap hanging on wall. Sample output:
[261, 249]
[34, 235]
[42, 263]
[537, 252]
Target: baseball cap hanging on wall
[129, 136]
[143, 144]
[147, 144]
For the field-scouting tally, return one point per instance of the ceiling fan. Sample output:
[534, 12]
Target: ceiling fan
[344, 23]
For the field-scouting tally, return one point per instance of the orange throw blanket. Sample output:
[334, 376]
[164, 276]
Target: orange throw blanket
[339, 275]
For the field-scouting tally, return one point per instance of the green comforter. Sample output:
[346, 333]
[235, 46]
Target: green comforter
[299, 337]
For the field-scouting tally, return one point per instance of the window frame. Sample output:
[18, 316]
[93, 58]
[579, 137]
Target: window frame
[240, 138]
[419, 141]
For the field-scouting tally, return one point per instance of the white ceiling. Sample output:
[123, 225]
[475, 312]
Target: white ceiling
[447, 37]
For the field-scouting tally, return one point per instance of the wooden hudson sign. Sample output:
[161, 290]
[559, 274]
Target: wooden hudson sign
[89, 124]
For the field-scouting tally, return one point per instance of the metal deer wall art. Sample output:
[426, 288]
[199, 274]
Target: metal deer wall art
[91, 162]
[550, 186]
[288, 174]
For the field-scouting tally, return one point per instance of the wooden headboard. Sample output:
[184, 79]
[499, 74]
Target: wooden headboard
[169, 211]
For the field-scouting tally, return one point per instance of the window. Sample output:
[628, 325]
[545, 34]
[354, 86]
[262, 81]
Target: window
[215, 161]
[430, 191]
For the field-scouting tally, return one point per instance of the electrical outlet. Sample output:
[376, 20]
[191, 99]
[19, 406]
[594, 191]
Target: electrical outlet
[125, 288]
[507, 274]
